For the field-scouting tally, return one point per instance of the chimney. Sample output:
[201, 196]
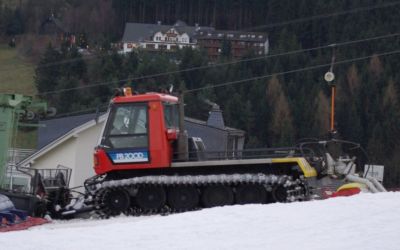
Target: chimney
[215, 118]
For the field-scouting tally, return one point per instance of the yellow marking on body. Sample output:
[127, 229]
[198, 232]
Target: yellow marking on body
[307, 169]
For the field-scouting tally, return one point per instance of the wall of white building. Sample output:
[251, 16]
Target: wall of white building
[75, 153]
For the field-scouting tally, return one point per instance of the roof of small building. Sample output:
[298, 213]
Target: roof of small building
[52, 24]
[55, 131]
[55, 128]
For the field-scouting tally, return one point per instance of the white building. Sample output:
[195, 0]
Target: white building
[160, 37]
[72, 148]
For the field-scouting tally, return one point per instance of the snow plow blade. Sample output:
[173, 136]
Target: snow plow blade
[359, 185]
[12, 219]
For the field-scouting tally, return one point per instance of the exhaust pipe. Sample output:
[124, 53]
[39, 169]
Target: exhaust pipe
[183, 148]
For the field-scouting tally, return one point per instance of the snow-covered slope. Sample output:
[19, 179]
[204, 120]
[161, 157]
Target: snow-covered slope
[366, 221]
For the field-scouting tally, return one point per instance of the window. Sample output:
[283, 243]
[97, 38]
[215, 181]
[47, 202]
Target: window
[150, 46]
[127, 126]
[171, 115]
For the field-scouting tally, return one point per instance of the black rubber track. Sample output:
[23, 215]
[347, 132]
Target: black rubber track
[116, 201]
[217, 195]
[182, 198]
[151, 197]
[251, 194]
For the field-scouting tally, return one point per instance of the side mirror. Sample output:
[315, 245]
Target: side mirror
[172, 134]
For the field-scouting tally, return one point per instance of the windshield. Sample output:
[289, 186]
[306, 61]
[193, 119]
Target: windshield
[127, 126]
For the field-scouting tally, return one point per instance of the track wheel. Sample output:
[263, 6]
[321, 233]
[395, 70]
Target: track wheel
[247, 194]
[183, 198]
[279, 193]
[151, 197]
[219, 195]
[117, 201]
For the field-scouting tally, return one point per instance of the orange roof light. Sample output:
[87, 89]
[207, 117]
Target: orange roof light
[127, 91]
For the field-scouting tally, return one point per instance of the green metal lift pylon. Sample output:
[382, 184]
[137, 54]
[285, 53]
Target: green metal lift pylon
[11, 105]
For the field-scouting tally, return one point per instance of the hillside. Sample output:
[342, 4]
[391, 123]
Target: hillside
[16, 73]
[366, 221]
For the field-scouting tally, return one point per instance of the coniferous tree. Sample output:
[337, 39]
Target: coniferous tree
[281, 128]
[48, 70]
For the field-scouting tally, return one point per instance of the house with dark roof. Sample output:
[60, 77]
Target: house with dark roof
[52, 26]
[69, 141]
[159, 37]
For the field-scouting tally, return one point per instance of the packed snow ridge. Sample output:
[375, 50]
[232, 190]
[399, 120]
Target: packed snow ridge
[365, 221]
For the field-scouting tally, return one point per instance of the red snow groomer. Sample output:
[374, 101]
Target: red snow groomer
[145, 163]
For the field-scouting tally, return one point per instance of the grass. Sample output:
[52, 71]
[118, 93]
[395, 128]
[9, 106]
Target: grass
[16, 74]
[13, 3]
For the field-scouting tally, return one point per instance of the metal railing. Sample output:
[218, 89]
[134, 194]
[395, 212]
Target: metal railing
[36, 179]
[245, 154]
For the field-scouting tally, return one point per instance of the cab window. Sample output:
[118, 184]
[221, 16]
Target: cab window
[171, 115]
[127, 126]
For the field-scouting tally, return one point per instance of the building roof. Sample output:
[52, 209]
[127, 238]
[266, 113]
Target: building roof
[52, 25]
[137, 32]
[55, 128]
[56, 131]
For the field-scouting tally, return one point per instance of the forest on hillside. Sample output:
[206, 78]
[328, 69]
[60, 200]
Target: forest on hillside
[274, 109]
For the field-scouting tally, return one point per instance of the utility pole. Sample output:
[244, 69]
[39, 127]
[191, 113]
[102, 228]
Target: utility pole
[329, 78]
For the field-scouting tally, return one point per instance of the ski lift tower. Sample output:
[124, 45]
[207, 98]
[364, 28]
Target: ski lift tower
[12, 107]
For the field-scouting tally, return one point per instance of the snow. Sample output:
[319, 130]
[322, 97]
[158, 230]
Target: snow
[365, 221]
